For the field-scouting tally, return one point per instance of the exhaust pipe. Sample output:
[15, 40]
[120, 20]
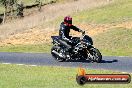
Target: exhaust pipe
[56, 53]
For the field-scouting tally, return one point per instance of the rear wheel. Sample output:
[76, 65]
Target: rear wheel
[57, 53]
[94, 55]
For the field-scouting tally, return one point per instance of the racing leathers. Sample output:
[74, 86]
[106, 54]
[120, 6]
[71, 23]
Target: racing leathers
[64, 34]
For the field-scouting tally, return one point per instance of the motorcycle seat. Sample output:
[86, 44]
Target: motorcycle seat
[55, 37]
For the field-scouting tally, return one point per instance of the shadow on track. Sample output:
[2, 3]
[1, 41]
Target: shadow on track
[87, 61]
[109, 61]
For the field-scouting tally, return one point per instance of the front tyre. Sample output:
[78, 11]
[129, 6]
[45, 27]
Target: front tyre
[94, 55]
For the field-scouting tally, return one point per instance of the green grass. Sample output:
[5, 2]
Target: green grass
[115, 42]
[12, 76]
[27, 48]
[118, 11]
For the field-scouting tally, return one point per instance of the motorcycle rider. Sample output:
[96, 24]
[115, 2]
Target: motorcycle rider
[64, 31]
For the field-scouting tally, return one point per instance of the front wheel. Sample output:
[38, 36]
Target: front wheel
[94, 55]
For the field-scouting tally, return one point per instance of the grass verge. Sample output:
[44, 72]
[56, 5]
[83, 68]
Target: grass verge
[45, 48]
[13, 76]
[115, 42]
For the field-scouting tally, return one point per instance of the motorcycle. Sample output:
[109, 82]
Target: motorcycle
[82, 49]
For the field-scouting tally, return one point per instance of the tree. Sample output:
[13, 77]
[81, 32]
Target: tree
[20, 8]
[4, 3]
[8, 5]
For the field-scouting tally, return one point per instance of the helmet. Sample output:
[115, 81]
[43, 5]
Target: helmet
[68, 20]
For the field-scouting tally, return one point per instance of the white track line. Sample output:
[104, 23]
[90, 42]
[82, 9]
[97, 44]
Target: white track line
[6, 63]
[32, 65]
[20, 64]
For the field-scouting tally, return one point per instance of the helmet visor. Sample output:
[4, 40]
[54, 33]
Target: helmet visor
[70, 22]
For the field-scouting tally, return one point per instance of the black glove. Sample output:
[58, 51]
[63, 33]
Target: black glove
[83, 32]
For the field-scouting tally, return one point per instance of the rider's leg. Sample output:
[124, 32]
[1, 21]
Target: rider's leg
[67, 45]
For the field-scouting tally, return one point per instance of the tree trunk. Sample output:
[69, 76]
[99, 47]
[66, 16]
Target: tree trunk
[4, 18]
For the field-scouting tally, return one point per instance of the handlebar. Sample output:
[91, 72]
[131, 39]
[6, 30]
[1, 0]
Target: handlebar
[83, 34]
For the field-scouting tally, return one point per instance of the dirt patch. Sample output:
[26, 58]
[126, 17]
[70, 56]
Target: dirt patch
[41, 36]
[32, 36]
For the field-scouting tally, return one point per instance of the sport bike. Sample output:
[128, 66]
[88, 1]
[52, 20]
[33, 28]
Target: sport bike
[82, 49]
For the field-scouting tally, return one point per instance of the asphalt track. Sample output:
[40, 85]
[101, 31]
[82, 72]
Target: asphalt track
[123, 64]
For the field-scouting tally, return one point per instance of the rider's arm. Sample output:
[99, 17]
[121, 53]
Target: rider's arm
[76, 29]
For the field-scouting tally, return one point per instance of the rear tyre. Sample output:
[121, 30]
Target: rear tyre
[55, 56]
[94, 55]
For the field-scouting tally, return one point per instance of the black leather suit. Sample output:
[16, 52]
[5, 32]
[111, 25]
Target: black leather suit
[64, 34]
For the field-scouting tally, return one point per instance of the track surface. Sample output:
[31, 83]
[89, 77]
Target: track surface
[123, 64]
